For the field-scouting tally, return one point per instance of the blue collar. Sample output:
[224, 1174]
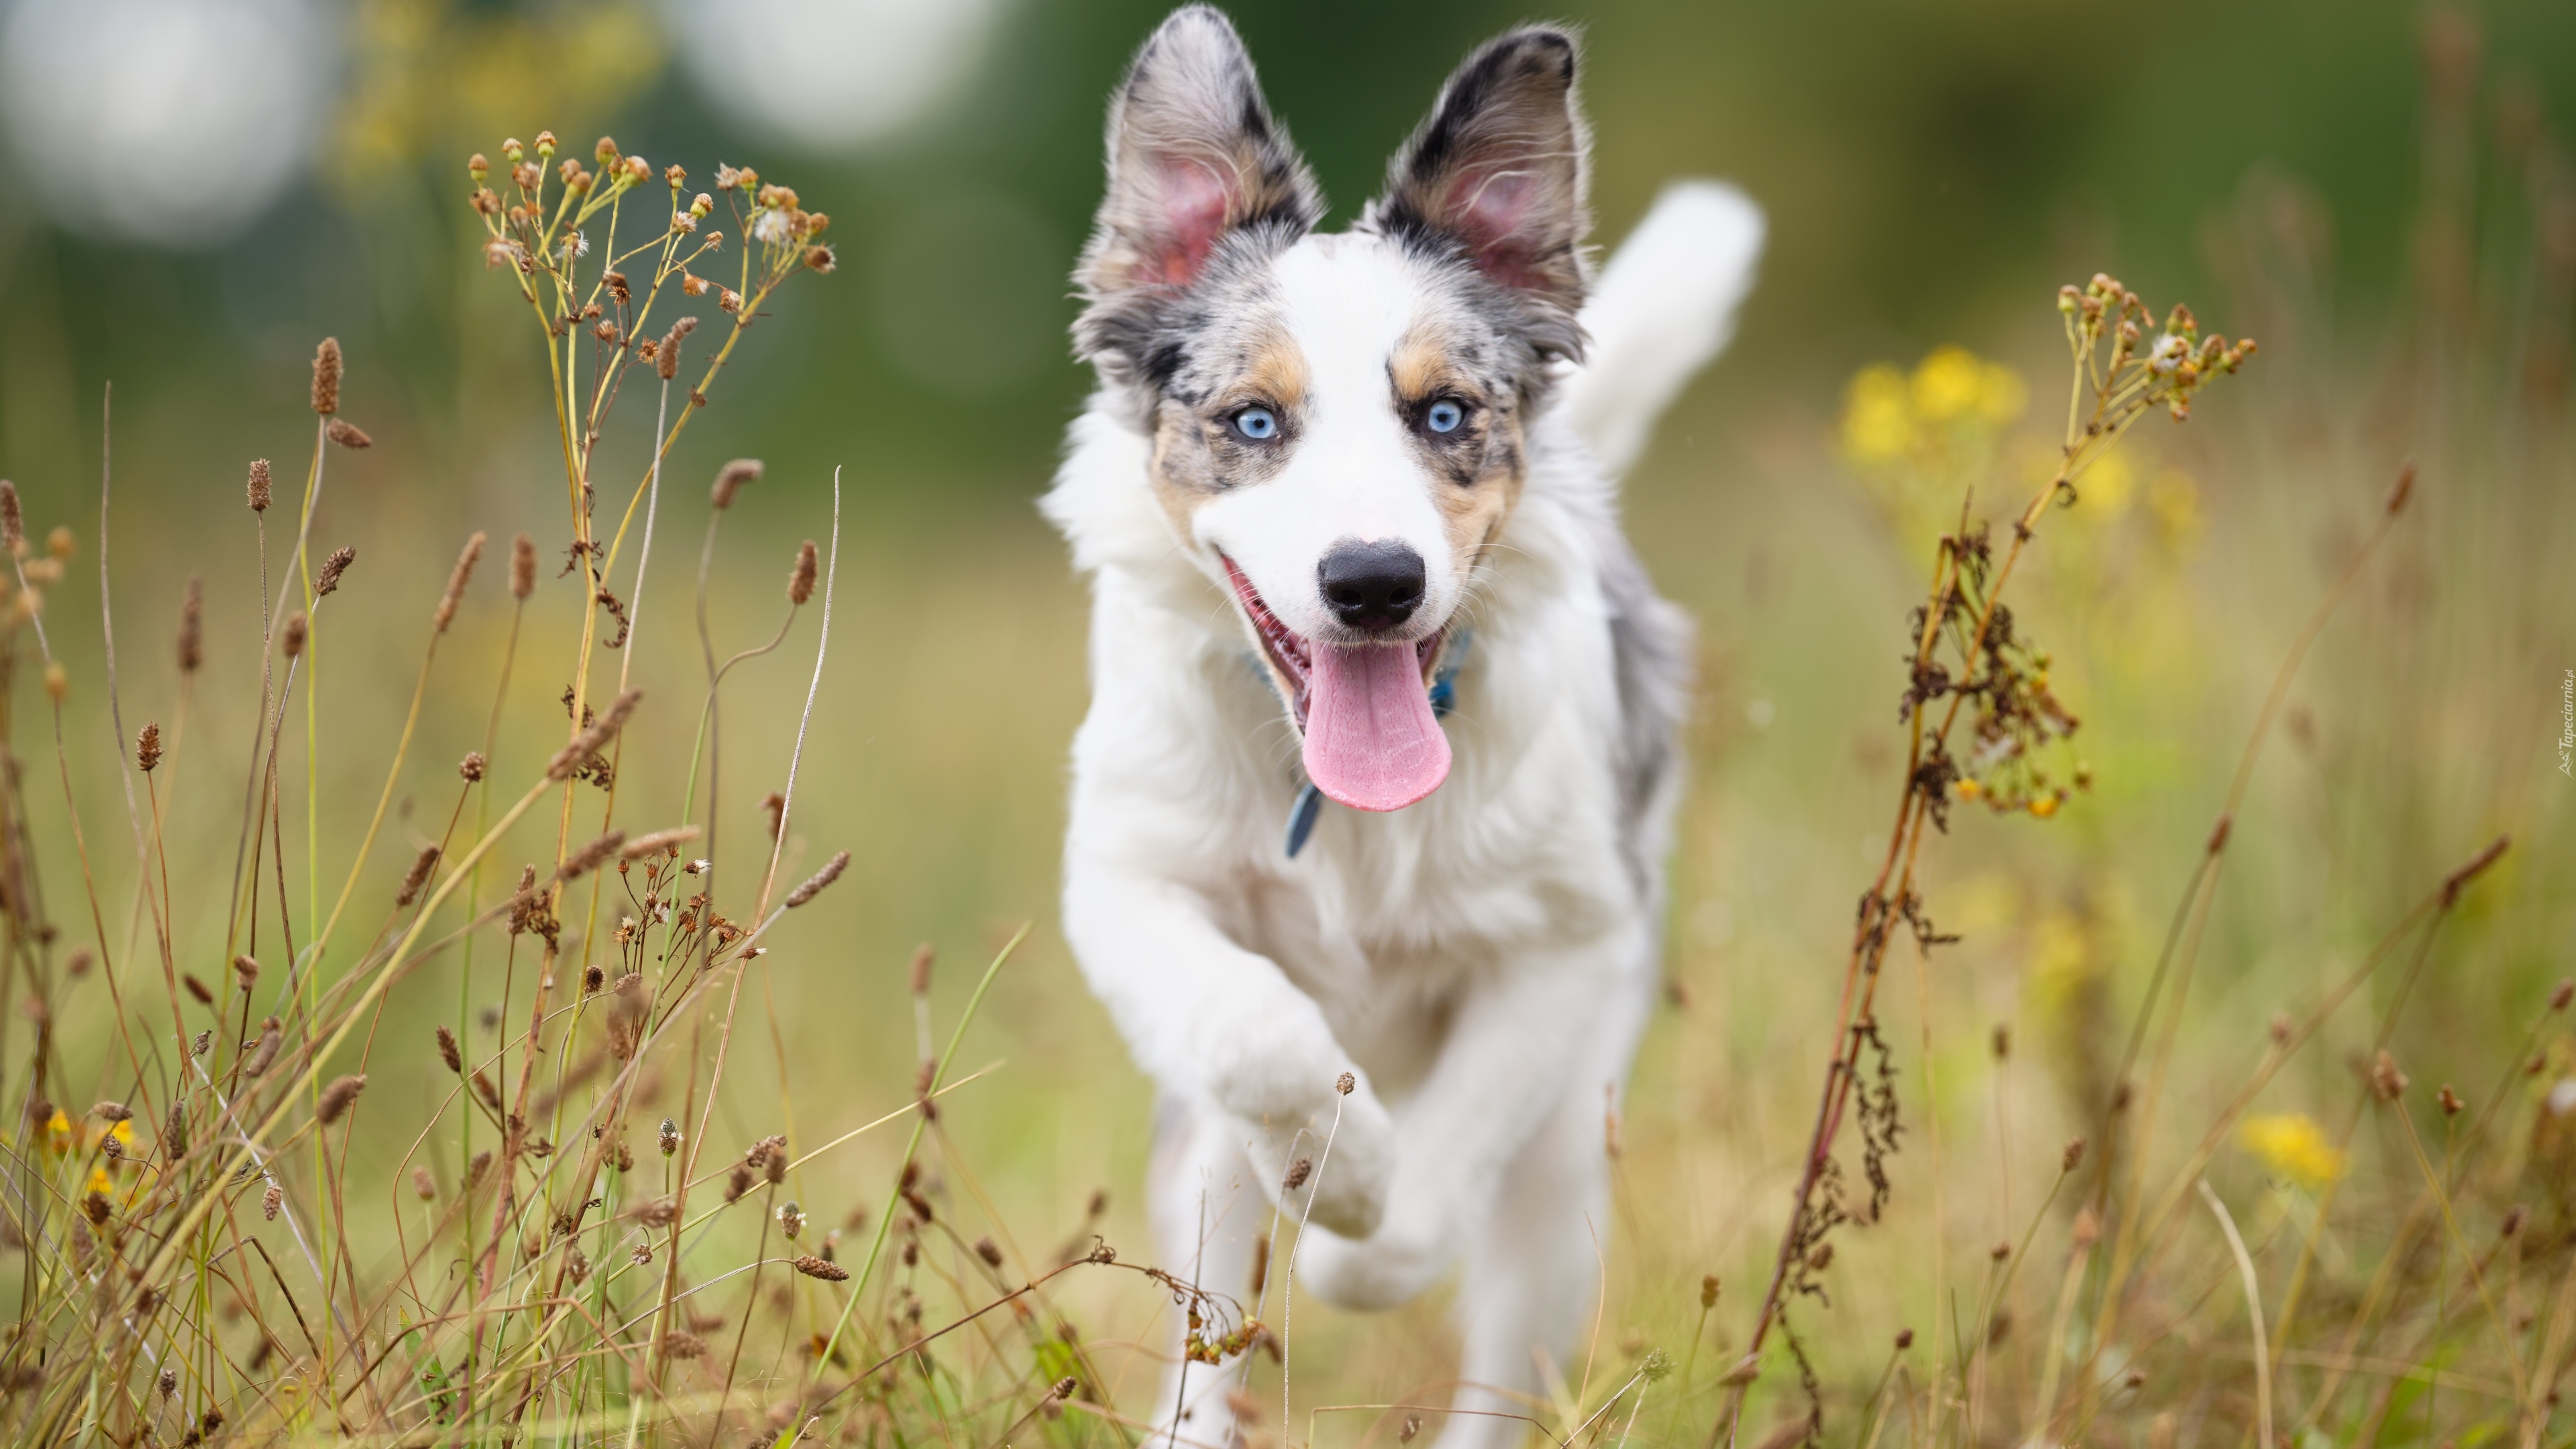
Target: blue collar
[1444, 698]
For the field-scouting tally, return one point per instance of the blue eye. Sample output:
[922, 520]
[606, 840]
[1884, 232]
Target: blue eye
[1445, 415]
[1258, 424]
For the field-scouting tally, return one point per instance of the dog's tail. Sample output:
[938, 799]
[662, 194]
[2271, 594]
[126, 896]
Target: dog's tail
[1659, 311]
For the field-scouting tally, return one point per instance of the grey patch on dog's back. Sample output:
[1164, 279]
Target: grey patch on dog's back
[1651, 640]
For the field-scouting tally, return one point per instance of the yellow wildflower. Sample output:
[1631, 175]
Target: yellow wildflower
[99, 1183]
[123, 1132]
[2293, 1146]
[1878, 415]
[1967, 789]
[1955, 383]
[58, 1132]
[2044, 806]
[2176, 502]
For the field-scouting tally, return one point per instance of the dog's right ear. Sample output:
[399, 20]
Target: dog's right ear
[1194, 157]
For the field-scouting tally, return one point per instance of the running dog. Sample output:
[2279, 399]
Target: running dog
[1370, 810]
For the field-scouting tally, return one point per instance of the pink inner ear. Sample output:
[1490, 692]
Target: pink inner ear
[1489, 209]
[1195, 203]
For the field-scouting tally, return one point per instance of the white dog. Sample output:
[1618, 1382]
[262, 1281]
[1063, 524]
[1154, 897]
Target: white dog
[1345, 502]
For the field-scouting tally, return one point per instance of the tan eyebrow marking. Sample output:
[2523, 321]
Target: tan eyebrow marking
[1277, 373]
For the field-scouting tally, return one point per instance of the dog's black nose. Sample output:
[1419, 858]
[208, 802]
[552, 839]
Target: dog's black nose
[1371, 586]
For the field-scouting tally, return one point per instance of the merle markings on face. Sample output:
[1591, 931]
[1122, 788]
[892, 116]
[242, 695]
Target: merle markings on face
[1339, 421]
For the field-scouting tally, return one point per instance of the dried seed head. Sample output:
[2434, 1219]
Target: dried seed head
[791, 1219]
[2387, 1083]
[192, 625]
[272, 1200]
[449, 1052]
[730, 478]
[327, 367]
[2564, 993]
[456, 580]
[1298, 1172]
[2003, 1042]
[989, 1251]
[669, 1137]
[2452, 1106]
[1346, 1083]
[272, 1036]
[246, 971]
[112, 1112]
[1406, 1434]
[337, 1097]
[58, 680]
[327, 579]
[676, 1344]
[1904, 1339]
[581, 862]
[523, 567]
[259, 485]
[291, 638]
[470, 769]
[2402, 489]
[417, 876]
[174, 1133]
[923, 958]
[169, 1382]
[423, 1186]
[13, 519]
[800, 576]
[659, 1213]
[77, 964]
[205, 994]
[478, 1169]
[347, 434]
[658, 841]
[666, 353]
[2073, 1157]
[815, 883]
[589, 742]
[147, 747]
[738, 1183]
[829, 1272]
[1707, 1292]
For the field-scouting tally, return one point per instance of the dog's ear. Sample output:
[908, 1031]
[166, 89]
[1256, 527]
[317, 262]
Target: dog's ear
[1194, 156]
[1499, 170]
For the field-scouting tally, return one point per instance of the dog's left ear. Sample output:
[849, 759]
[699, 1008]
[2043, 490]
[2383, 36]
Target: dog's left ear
[1499, 171]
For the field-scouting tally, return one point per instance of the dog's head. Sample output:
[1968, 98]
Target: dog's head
[1339, 422]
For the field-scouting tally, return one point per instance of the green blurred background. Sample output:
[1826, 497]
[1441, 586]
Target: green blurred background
[2379, 191]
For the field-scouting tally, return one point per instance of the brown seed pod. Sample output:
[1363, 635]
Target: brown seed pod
[272, 1036]
[456, 581]
[205, 994]
[192, 626]
[523, 567]
[327, 368]
[259, 485]
[147, 747]
[246, 971]
[291, 638]
[347, 434]
[666, 353]
[731, 477]
[338, 1097]
[418, 876]
[326, 580]
[813, 1267]
[814, 884]
[423, 1186]
[449, 1052]
[13, 519]
[800, 576]
[470, 769]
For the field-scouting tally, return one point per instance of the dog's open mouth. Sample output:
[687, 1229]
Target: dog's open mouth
[1372, 741]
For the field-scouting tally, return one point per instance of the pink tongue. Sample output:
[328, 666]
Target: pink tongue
[1371, 740]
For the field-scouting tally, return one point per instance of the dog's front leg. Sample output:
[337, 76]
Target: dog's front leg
[1224, 1026]
[1505, 1067]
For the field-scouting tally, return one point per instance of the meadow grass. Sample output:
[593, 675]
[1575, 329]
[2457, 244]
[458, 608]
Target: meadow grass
[608, 1100]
